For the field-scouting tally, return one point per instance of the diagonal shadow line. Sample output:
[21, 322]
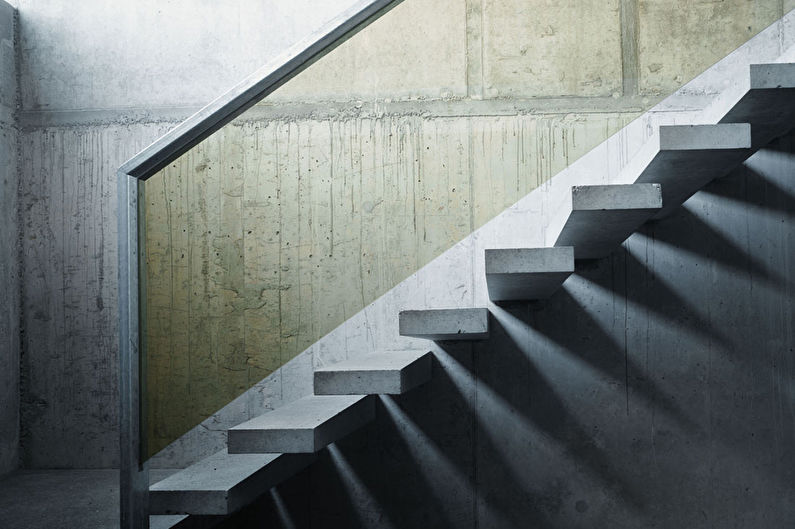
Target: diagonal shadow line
[405, 409]
[532, 504]
[336, 492]
[774, 197]
[561, 425]
[720, 248]
[781, 143]
[593, 345]
[535, 506]
[353, 477]
[342, 471]
[286, 519]
[664, 296]
[408, 434]
[379, 449]
[294, 494]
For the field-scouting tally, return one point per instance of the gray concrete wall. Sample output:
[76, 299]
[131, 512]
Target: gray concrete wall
[389, 190]
[155, 56]
[69, 362]
[9, 247]
[627, 397]
[655, 390]
[101, 79]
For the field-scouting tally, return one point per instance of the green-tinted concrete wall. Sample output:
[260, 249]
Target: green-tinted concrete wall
[381, 156]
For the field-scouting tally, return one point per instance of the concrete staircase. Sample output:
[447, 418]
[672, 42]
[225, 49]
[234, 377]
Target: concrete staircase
[268, 449]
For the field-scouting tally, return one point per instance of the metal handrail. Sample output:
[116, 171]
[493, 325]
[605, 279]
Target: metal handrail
[134, 475]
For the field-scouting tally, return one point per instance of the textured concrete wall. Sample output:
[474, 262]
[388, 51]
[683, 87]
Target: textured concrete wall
[100, 81]
[266, 239]
[289, 249]
[104, 84]
[69, 361]
[455, 278]
[654, 390]
[9, 247]
[273, 233]
[152, 55]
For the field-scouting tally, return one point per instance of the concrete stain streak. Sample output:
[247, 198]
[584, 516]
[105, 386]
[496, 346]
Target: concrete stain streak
[629, 46]
[68, 361]
[294, 225]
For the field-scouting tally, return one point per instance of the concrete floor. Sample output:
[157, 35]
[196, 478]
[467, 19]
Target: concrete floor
[62, 499]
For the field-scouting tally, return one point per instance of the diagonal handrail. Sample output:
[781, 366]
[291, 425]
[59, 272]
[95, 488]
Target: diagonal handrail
[134, 473]
[254, 88]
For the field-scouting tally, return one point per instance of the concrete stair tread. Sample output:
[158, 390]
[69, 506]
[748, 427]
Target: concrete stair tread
[601, 217]
[185, 521]
[303, 426]
[166, 521]
[222, 483]
[527, 273]
[392, 373]
[691, 156]
[445, 324]
[769, 103]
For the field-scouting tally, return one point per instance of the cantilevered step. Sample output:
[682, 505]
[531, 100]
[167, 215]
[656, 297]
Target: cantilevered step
[769, 103]
[390, 373]
[691, 156]
[602, 217]
[303, 426]
[527, 273]
[445, 324]
[167, 521]
[223, 483]
[186, 521]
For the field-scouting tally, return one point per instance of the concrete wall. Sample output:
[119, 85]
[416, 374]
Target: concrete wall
[105, 84]
[101, 80]
[155, 56]
[375, 161]
[273, 233]
[9, 247]
[655, 390]
[455, 278]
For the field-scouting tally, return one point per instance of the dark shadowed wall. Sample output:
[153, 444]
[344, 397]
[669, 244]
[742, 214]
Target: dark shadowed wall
[656, 389]
[9, 243]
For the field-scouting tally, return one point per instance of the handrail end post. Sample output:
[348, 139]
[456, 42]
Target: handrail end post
[133, 468]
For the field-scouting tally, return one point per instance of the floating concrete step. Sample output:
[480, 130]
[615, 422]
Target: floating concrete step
[691, 156]
[445, 324]
[602, 217]
[223, 483]
[167, 521]
[391, 373]
[303, 426]
[185, 521]
[527, 273]
[769, 103]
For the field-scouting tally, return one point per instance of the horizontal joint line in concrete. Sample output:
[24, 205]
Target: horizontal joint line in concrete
[32, 119]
